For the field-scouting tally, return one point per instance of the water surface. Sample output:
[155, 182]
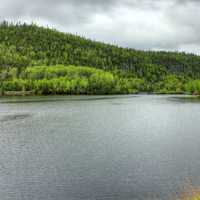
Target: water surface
[97, 147]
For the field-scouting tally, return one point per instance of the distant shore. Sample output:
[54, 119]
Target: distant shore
[32, 93]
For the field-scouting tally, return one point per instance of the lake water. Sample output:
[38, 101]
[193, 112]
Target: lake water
[97, 147]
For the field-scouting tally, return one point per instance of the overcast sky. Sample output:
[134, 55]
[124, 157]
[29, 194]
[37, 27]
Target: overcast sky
[140, 24]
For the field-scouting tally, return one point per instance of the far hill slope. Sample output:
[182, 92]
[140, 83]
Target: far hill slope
[27, 45]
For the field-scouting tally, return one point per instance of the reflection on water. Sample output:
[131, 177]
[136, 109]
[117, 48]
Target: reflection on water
[13, 117]
[185, 99]
[36, 99]
[98, 147]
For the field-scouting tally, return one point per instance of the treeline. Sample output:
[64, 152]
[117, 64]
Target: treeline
[69, 80]
[43, 80]
[24, 46]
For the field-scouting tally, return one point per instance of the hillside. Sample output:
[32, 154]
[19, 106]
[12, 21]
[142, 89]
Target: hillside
[23, 45]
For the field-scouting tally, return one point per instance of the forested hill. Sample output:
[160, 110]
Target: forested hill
[24, 45]
[37, 60]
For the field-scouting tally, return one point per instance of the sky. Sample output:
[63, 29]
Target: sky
[139, 24]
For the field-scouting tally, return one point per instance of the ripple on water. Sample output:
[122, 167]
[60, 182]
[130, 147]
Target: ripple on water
[13, 117]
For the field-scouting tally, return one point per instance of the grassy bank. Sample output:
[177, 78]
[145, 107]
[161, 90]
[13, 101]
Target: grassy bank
[190, 193]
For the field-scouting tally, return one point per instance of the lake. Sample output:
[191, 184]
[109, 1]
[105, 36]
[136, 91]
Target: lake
[98, 147]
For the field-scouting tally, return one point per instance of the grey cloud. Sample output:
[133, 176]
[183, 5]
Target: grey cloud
[143, 24]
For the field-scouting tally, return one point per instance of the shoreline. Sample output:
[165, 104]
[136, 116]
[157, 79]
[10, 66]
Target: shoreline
[31, 93]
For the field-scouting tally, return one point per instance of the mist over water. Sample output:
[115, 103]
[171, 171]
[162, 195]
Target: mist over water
[98, 147]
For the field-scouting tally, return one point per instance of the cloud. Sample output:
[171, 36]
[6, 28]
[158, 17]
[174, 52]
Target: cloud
[141, 24]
